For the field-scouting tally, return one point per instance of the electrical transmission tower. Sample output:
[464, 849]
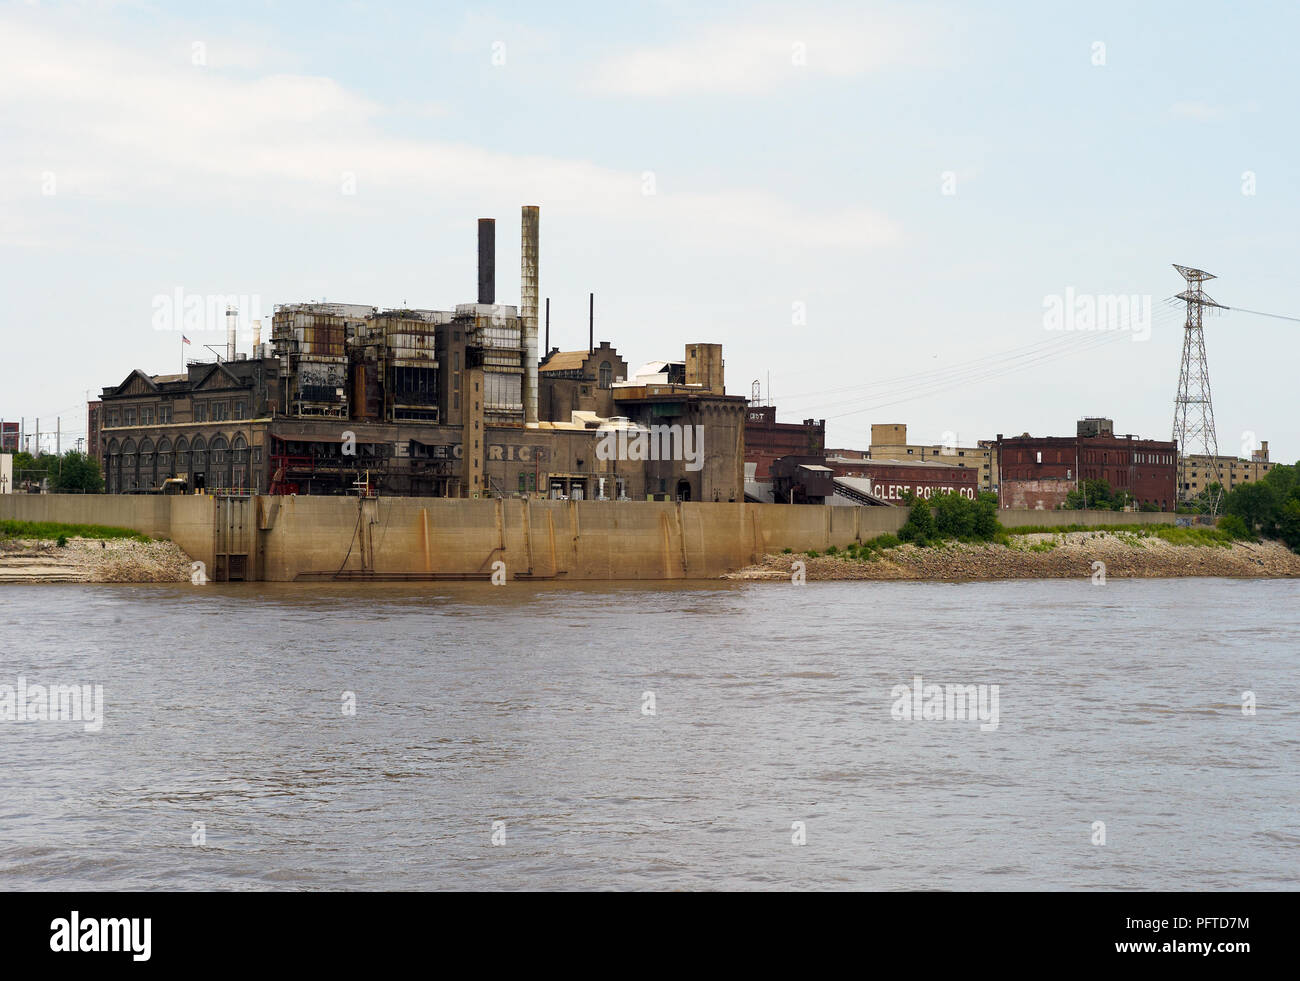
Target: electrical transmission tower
[1193, 411]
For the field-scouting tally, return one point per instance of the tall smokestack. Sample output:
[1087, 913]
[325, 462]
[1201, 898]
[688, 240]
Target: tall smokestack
[232, 323]
[591, 323]
[487, 260]
[257, 336]
[528, 307]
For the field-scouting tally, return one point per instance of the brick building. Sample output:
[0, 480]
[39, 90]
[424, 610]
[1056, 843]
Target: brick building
[893, 480]
[1038, 472]
[766, 440]
[889, 442]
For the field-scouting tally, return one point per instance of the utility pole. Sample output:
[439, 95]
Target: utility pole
[1193, 410]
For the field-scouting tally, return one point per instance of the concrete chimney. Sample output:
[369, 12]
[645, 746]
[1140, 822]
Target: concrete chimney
[257, 337]
[528, 307]
[487, 260]
[232, 323]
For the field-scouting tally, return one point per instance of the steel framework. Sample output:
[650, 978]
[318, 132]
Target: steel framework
[1193, 410]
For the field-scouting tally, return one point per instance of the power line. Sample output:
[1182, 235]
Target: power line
[1161, 318]
[1261, 313]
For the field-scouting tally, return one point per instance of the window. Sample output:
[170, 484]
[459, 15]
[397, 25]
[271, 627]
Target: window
[146, 416]
[239, 410]
[200, 413]
[129, 416]
[606, 375]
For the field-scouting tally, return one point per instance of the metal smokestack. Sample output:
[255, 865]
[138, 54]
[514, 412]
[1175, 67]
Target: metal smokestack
[591, 323]
[232, 323]
[528, 307]
[487, 260]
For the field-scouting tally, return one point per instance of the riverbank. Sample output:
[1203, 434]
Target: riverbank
[1041, 556]
[92, 560]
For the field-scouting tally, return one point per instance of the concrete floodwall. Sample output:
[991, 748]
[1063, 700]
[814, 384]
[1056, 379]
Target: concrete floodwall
[1012, 518]
[187, 521]
[409, 537]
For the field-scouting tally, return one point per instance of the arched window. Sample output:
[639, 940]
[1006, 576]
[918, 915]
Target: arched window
[164, 457]
[147, 475]
[182, 455]
[240, 449]
[606, 374]
[219, 463]
[129, 475]
[199, 453]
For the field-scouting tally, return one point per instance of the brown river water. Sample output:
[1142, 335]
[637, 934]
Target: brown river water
[502, 736]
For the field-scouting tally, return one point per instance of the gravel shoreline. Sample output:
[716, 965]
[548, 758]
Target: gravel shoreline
[89, 560]
[1125, 556]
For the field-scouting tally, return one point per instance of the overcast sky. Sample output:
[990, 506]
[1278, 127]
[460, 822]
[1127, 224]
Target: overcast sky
[874, 204]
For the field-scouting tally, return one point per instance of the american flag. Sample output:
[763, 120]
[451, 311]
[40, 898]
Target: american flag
[185, 339]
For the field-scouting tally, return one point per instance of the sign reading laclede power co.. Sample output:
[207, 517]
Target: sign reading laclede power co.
[893, 481]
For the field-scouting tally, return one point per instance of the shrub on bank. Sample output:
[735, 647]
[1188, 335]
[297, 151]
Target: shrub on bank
[951, 517]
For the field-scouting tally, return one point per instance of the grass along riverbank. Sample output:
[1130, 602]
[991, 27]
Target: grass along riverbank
[1151, 551]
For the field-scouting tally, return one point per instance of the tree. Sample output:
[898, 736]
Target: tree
[919, 527]
[986, 516]
[1288, 524]
[954, 517]
[78, 472]
[1255, 504]
[1095, 495]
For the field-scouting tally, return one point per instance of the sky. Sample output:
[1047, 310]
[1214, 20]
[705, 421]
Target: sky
[883, 212]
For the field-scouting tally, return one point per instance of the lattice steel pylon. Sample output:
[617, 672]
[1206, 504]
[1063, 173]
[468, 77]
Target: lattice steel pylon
[1193, 410]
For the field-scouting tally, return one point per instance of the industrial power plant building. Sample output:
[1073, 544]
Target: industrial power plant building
[441, 403]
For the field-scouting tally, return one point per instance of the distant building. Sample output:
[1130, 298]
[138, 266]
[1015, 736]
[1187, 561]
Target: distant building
[766, 439]
[1038, 472]
[1233, 471]
[893, 481]
[802, 480]
[889, 441]
[655, 397]
[579, 381]
[10, 435]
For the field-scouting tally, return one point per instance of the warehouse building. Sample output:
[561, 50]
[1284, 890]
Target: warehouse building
[1038, 472]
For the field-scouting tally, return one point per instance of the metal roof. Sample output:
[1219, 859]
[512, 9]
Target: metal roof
[565, 361]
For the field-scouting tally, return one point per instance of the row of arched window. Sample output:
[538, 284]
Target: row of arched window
[145, 465]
